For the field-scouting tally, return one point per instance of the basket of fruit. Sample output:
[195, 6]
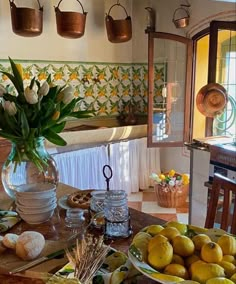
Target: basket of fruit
[171, 188]
[180, 253]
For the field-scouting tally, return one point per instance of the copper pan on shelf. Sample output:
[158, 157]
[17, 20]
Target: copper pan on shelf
[211, 99]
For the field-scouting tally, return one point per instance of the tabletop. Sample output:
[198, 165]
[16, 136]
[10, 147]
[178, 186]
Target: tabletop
[56, 233]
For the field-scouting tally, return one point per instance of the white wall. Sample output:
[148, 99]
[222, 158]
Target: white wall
[94, 45]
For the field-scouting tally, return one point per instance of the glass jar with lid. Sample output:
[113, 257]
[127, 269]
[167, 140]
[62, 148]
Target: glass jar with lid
[97, 206]
[116, 213]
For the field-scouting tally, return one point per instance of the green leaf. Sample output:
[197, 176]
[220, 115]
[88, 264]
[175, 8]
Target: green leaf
[10, 98]
[9, 136]
[58, 127]
[54, 138]
[81, 114]
[24, 124]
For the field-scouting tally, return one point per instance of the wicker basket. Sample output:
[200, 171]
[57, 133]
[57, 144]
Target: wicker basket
[171, 196]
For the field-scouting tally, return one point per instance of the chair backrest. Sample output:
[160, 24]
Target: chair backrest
[226, 188]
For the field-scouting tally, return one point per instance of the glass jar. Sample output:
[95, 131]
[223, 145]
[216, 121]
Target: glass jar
[116, 212]
[28, 162]
[97, 206]
[75, 218]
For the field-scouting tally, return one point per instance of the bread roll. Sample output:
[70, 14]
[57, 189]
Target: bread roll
[9, 240]
[29, 245]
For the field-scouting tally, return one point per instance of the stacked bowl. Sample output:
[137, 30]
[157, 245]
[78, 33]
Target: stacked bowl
[35, 203]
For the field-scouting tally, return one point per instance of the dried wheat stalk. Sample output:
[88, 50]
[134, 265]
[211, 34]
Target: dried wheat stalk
[87, 257]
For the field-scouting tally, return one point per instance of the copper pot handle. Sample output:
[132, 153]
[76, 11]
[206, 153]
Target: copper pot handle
[117, 4]
[180, 8]
[57, 8]
[12, 2]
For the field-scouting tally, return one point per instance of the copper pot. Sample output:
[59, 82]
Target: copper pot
[183, 21]
[70, 24]
[118, 30]
[26, 22]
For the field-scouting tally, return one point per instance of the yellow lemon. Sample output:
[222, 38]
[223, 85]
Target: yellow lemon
[142, 236]
[189, 282]
[233, 278]
[170, 233]
[207, 271]
[176, 270]
[115, 260]
[165, 277]
[195, 266]
[191, 259]
[228, 244]
[199, 240]
[141, 242]
[155, 241]
[211, 252]
[229, 258]
[160, 256]
[219, 280]
[154, 229]
[197, 229]
[228, 267]
[177, 259]
[117, 277]
[182, 228]
[183, 245]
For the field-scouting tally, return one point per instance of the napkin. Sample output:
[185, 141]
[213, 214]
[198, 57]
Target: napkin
[8, 219]
[116, 269]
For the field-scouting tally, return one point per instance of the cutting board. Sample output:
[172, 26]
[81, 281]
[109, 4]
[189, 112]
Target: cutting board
[9, 260]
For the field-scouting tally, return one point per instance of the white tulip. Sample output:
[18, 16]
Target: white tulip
[31, 96]
[44, 89]
[171, 183]
[10, 107]
[2, 91]
[68, 94]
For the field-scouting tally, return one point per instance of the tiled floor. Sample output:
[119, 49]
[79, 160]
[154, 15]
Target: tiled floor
[145, 201]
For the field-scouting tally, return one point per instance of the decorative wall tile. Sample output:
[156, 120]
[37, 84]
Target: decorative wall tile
[107, 88]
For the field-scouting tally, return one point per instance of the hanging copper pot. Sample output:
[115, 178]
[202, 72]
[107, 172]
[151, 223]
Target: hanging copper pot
[181, 17]
[118, 30]
[26, 22]
[70, 24]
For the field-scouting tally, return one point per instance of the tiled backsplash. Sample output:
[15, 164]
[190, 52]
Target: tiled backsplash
[107, 88]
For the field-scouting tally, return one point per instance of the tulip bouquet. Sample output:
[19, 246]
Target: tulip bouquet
[37, 110]
[171, 178]
[171, 188]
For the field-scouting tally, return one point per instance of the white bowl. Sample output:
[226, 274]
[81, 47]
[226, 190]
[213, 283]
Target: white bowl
[37, 218]
[36, 190]
[35, 202]
[32, 209]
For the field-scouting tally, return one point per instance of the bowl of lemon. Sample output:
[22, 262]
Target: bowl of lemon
[186, 254]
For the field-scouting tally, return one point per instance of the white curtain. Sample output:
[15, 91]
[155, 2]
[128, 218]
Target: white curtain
[83, 168]
[132, 163]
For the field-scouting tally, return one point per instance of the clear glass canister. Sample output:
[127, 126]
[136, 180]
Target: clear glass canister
[116, 212]
[97, 206]
[75, 218]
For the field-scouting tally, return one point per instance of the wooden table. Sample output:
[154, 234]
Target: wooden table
[55, 232]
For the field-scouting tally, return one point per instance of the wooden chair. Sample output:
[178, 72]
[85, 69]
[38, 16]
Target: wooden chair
[226, 188]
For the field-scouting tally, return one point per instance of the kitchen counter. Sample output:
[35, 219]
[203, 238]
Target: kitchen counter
[98, 136]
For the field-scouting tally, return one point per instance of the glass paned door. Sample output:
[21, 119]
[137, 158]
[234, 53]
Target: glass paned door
[170, 60]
